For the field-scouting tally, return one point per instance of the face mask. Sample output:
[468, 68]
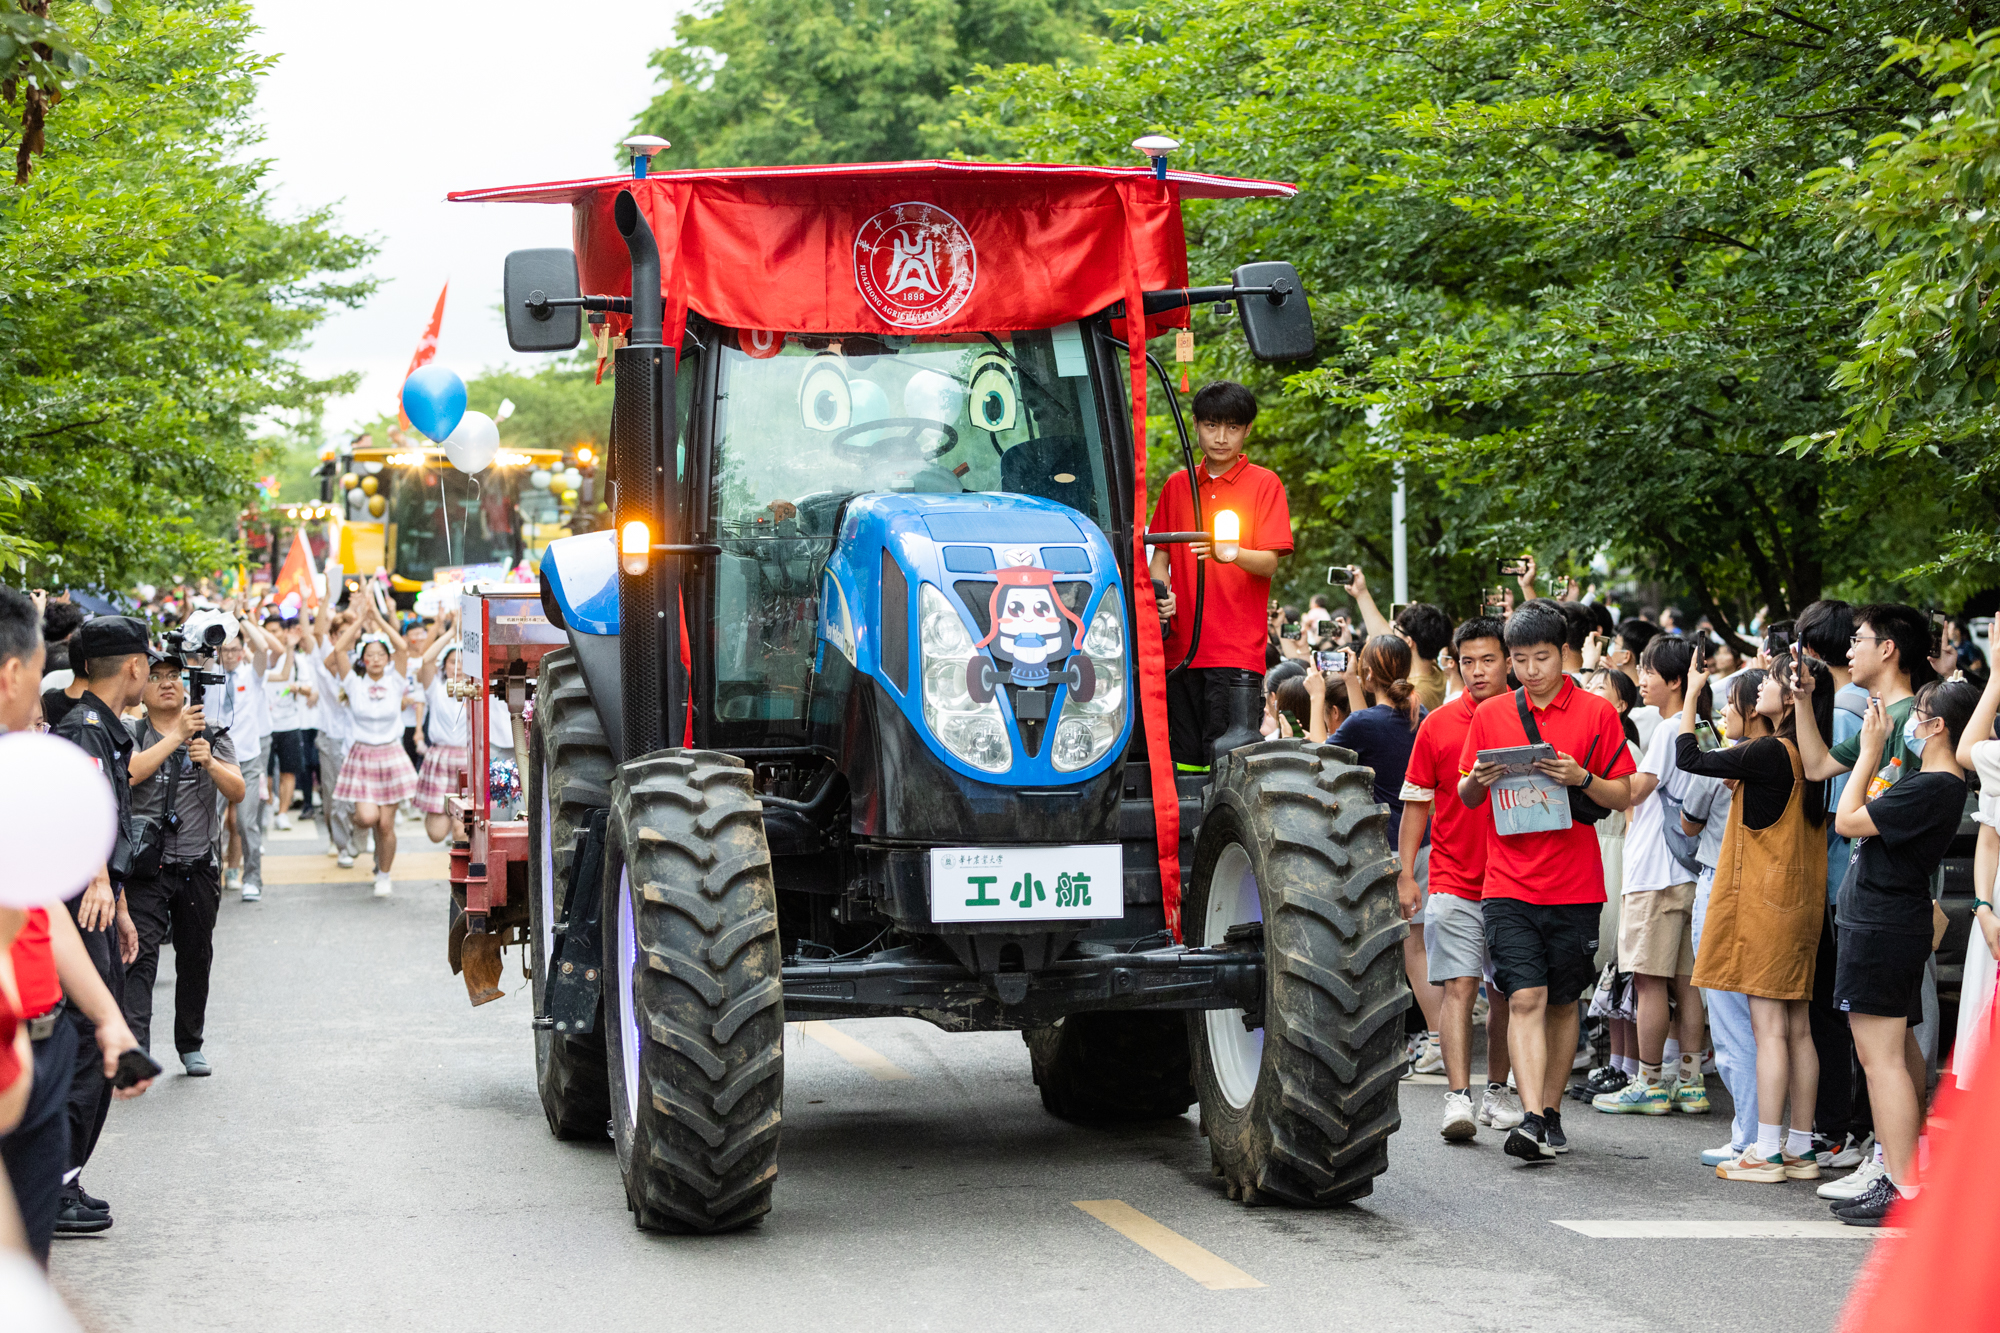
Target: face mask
[1911, 741]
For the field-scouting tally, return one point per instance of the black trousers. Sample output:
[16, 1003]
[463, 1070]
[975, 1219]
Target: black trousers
[37, 1151]
[89, 1090]
[179, 906]
[1842, 1105]
[1198, 711]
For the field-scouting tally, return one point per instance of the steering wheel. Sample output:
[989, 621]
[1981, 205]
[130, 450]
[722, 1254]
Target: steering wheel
[912, 427]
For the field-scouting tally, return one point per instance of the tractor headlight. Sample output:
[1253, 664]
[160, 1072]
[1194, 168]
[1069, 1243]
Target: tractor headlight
[972, 730]
[1088, 727]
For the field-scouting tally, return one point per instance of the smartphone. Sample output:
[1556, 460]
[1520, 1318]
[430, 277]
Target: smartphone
[1341, 574]
[1331, 663]
[1291, 631]
[134, 1068]
[1705, 738]
[1397, 609]
[1513, 568]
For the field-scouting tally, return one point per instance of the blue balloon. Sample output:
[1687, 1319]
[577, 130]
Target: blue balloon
[434, 401]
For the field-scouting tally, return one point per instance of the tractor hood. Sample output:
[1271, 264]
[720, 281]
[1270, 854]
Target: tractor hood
[995, 624]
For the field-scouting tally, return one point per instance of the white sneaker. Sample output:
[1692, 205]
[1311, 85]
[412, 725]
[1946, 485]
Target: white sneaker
[332, 851]
[345, 861]
[1581, 1063]
[1500, 1108]
[252, 891]
[1459, 1124]
[285, 823]
[1855, 1185]
[382, 889]
[1429, 1057]
[1853, 1153]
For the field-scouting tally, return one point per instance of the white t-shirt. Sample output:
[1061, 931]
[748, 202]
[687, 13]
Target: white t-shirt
[250, 717]
[288, 710]
[376, 707]
[332, 709]
[1649, 866]
[1646, 719]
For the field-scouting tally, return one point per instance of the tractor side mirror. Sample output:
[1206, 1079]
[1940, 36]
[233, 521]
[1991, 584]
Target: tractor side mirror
[534, 280]
[1277, 321]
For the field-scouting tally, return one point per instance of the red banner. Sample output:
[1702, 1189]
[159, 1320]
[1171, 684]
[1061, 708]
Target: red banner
[426, 349]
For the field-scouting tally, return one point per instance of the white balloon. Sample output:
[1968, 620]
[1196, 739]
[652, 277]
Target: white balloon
[572, 478]
[540, 479]
[357, 496]
[57, 820]
[472, 445]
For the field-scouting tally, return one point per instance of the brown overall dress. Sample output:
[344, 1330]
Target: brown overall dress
[1764, 911]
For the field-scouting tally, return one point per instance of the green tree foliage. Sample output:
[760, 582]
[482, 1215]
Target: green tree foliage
[556, 407]
[152, 299]
[1924, 376]
[1572, 253]
[762, 82]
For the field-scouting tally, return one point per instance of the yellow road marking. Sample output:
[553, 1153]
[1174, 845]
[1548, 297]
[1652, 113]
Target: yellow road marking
[319, 868]
[863, 1057]
[1163, 1243]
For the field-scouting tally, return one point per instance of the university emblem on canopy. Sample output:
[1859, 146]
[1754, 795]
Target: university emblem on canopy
[914, 264]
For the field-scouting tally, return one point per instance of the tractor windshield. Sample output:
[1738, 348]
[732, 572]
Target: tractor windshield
[804, 422]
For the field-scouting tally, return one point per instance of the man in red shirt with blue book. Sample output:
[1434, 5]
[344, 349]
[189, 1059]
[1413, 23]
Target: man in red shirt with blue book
[1544, 890]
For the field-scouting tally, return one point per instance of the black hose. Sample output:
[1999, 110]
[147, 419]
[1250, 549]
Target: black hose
[1194, 495]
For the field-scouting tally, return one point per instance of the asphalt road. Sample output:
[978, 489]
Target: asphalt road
[370, 1154]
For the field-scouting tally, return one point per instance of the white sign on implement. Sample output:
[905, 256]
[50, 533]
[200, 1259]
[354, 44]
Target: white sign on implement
[1011, 884]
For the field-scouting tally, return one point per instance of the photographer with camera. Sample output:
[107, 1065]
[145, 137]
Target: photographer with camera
[178, 772]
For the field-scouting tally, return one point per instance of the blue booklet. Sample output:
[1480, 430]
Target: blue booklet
[1524, 800]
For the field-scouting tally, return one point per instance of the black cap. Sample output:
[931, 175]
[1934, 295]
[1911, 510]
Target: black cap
[112, 636]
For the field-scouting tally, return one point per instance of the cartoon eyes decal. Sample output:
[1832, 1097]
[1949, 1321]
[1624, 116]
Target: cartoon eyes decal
[994, 399]
[825, 402]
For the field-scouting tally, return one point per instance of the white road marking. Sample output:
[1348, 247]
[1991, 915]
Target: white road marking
[1682, 1229]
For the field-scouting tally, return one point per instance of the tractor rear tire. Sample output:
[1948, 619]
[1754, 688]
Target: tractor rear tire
[1300, 1112]
[1113, 1068]
[694, 1011]
[569, 776]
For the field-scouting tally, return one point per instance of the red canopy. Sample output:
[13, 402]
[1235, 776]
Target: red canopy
[891, 247]
[920, 247]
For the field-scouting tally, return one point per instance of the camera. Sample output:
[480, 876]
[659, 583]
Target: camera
[195, 643]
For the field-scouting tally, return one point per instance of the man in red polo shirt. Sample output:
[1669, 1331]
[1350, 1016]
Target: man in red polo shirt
[1455, 934]
[1544, 891]
[1236, 594]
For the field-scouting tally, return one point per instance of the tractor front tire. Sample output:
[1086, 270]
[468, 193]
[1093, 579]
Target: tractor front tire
[1300, 1111]
[693, 993]
[568, 777]
[1111, 1068]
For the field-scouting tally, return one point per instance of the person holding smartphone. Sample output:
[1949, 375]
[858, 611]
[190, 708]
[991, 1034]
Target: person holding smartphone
[1760, 934]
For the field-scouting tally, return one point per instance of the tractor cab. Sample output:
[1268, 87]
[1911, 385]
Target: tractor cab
[862, 705]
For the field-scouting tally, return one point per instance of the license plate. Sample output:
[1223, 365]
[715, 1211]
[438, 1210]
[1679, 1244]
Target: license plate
[1010, 884]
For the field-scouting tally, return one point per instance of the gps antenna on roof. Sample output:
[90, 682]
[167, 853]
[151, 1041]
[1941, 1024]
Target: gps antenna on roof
[1156, 147]
[642, 147]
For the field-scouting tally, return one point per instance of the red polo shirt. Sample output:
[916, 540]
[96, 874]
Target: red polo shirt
[1562, 866]
[35, 965]
[1235, 619]
[1458, 835]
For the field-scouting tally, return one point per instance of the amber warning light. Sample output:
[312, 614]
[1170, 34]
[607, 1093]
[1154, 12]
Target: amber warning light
[1228, 536]
[635, 546]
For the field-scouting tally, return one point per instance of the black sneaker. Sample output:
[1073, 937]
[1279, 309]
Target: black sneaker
[1530, 1148]
[1552, 1133]
[1605, 1078]
[89, 1200]
[76, 1218]
[1868, 1210]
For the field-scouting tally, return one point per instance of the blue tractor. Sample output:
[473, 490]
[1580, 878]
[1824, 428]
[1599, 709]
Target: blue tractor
[851, 720]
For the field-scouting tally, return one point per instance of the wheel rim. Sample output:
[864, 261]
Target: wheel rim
[628, 1036]
[1234, 1054]
[548, 872]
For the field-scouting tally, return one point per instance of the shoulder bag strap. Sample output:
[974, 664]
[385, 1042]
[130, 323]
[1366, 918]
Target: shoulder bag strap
[1527, 717]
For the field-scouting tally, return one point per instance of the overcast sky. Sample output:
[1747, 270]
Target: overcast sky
[378, 109]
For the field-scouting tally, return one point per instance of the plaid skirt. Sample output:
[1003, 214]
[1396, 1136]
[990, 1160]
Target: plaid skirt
[377, 775]
[439, 777]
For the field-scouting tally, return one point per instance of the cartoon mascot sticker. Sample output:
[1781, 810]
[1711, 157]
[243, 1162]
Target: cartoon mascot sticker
[1031, 631]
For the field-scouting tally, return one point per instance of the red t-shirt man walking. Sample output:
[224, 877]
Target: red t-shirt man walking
[1234, 626]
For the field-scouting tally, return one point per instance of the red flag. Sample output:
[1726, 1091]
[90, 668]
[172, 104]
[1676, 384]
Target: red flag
[426, 349]
[297, 574]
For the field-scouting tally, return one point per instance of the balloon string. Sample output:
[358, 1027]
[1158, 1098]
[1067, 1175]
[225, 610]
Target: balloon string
[444, 514]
